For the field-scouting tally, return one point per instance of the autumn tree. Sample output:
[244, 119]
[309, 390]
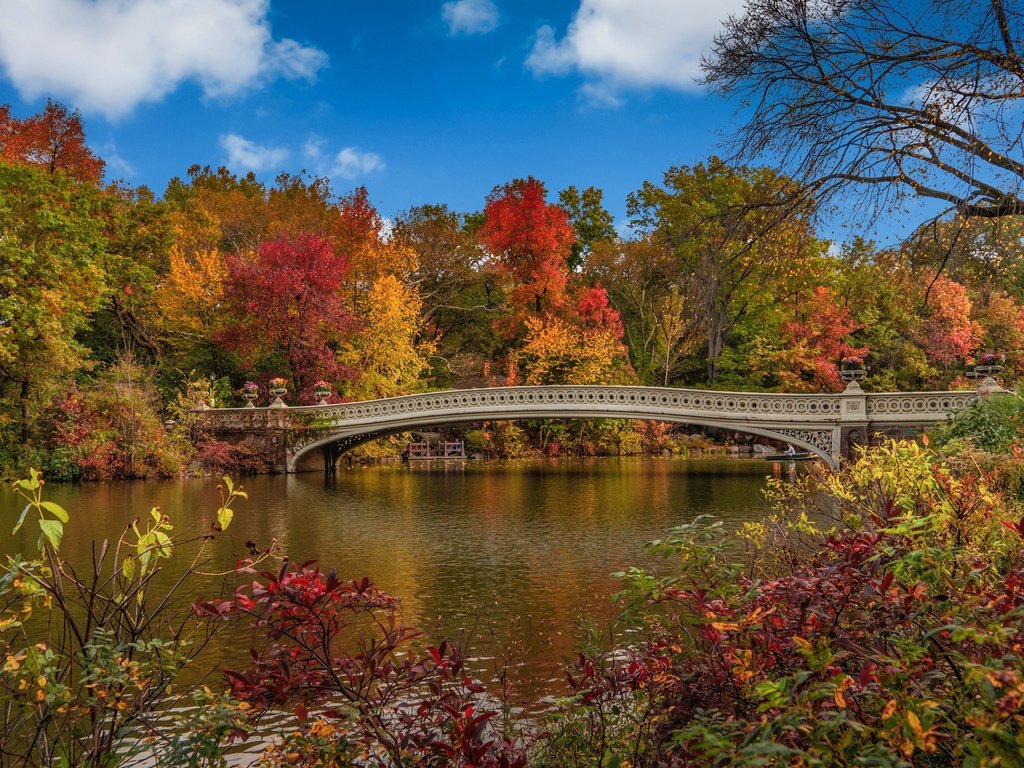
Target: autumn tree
[883, 293]
[530, 241]
[447, 257]
[51, 281]
[191, 292]
[983, 254]
[53, 140]
[557, 351]
[360, 233]
[138, 232]
[458, 296]
[948, 332]
[1002, 320]
[591, 222]
[733, 232]
[387, 352]
[285, 308]
[645, 284]
[248, 211]
[916, 99]
[816, 340]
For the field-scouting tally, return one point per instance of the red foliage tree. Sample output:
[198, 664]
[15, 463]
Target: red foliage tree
[531, 241]
[817, 342]
[949, 333]
[286, 303]
[595, 311]
[54, 139]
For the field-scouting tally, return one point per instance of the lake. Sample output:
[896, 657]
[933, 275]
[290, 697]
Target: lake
[513, 558]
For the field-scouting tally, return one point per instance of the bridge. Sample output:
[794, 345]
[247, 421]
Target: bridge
[829, 425]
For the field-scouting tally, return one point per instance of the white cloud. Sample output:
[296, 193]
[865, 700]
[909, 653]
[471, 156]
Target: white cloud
[108, 56]
[348, 163]
[619, 44]
[115, 162]
[470, 17]
[351, 162]
[250, 156]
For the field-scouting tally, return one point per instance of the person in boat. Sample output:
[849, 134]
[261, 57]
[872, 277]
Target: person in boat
[791, 451]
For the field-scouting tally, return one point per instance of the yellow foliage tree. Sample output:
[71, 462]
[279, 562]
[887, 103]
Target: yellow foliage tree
[193, 287]
[559, 352]
[387, 352]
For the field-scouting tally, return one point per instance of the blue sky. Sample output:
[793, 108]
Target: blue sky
[421, 101]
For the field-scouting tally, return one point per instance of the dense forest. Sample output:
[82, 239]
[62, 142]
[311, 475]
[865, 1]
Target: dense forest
[122, 308]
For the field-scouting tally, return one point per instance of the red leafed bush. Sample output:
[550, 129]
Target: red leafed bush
[340, 646]
[218, 457]
[897, 642]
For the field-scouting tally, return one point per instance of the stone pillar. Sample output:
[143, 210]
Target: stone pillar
[853, 420]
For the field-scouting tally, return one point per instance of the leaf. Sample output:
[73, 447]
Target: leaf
[53, 530]
[224, 515]
[163, 544]
[56, 510]
[915, 724]
[128, 567]
[21, 519]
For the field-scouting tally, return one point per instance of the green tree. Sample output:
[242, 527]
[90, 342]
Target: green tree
[734, 232]
[590, 220]
[51, 281]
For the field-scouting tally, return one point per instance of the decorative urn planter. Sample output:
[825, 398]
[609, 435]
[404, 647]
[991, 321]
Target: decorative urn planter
[250, 391]
[989, 364]
[278, 389]
[852, 371]
[322, 392]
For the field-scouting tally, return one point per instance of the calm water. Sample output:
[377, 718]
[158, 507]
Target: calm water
[512, 557]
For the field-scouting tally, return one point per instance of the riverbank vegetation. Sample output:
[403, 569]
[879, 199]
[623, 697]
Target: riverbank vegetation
[121, 309]
[875, 613]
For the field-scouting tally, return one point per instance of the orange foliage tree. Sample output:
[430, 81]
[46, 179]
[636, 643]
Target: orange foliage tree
[948, 332]
[53, 140]
[816, 343]
[359, 232]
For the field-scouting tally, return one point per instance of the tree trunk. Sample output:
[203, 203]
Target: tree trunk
[25, 410]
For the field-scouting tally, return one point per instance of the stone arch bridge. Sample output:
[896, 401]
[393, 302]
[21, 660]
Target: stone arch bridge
[829, 425]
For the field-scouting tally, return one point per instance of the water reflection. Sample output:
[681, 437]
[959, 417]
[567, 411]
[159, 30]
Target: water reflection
[509, 555]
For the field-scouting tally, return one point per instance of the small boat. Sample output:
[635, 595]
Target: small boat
[798, 456]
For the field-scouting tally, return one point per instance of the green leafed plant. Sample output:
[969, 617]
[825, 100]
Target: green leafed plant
[93, 653]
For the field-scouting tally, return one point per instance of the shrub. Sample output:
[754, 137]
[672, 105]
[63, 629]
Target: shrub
[91, 657]
[894, 641]
[993, 424]
[378, 700]
[113, 430]
[220, 457]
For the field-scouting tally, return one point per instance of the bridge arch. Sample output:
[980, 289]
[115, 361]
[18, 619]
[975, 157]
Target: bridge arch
[347, 441]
